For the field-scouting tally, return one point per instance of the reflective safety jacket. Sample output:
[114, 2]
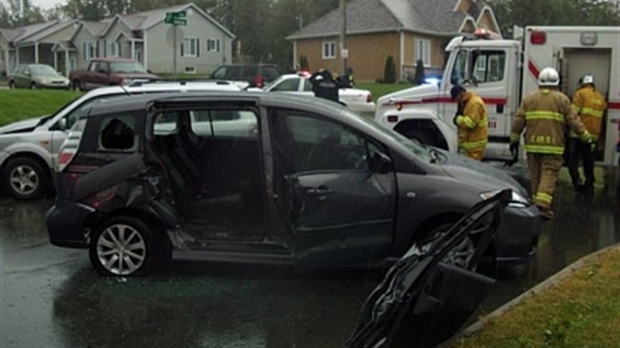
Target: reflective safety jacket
[544, 114]
[473, 124]
[590, 105]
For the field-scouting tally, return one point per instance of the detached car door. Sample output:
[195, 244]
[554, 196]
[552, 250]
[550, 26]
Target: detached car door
[335, 187]
[425, 299]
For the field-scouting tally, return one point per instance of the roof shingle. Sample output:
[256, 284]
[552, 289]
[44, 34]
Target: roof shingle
[425, 16]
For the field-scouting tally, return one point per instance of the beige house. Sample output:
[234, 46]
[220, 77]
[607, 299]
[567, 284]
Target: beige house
[407, 30]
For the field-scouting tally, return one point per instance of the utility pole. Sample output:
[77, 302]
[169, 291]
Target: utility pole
[343, 33]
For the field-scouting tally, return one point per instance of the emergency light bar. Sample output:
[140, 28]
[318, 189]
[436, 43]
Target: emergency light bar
[486, 34]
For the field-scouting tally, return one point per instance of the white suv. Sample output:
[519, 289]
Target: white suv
[29, 148]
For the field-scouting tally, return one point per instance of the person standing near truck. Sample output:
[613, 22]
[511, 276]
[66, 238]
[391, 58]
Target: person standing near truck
[472, 123]
[544, 114]
[590, 105]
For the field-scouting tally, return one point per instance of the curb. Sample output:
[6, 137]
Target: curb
[547, 284]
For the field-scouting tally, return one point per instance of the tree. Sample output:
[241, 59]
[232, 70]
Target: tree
[418, 78]
[12, 16]
[552, 12]
[303, 62]
[389, 73]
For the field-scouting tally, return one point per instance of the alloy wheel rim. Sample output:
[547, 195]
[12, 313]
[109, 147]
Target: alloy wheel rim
[24, 180]
[121, 249]
[461, 254]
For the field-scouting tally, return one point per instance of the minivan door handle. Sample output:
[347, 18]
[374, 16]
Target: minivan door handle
[321, 191]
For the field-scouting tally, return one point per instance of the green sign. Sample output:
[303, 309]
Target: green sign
[176, 18]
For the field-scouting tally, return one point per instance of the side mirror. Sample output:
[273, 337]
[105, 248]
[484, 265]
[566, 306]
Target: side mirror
[62, 124]
[381, 164]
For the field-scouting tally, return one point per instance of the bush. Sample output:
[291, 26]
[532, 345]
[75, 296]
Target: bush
[418, 78]
[303, 62]
[389, 74]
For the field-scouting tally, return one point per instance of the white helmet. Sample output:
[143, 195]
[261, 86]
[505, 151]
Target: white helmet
[549, 77]
[586, 79]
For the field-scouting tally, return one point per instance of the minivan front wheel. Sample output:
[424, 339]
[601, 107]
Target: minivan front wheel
[461, 255]
[123, 246]
[24, 178]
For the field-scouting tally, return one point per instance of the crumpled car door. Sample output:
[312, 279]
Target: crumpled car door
[423, 300]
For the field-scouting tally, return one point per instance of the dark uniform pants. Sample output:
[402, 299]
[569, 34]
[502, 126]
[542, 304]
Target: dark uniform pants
[544, 171]
[580, 151]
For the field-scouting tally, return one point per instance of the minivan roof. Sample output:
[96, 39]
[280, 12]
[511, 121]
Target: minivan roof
[122, 103]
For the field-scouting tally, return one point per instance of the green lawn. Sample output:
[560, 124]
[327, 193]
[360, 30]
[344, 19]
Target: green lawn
[19, 104]
[582, 310]
[380, 89]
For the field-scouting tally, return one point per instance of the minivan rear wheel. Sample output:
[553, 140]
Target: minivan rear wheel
[123, 246]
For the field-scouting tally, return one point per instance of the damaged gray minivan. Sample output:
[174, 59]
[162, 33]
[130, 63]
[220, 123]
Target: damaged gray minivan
[262, 178]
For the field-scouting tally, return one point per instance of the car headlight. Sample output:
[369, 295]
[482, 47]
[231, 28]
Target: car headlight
[516, 200]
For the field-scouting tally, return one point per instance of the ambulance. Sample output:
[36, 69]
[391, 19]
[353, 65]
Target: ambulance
[502, 72]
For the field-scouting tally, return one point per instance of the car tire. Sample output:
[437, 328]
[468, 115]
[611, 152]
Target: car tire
[12, 84]
[33, 85]
[123, 238]
[25, 178]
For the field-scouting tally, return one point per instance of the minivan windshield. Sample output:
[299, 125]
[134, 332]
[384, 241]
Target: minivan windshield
[412, 146]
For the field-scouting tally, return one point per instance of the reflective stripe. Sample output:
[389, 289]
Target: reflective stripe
[548, 149]
[585, 137]
[592, 112]
[468, 122]
[473, 144]
[544, 115]
[576, 108]
[514, 137]
[544, 197]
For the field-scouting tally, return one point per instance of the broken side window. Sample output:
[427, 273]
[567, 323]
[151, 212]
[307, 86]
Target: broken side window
[117, 133]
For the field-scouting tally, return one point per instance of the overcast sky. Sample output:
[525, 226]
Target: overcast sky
[45, 4]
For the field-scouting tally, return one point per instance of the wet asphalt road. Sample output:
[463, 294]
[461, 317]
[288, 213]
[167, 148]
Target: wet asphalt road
[50, 297]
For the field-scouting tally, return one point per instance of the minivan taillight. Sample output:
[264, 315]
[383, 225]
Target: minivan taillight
[64, 158]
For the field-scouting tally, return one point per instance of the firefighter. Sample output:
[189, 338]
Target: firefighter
[472, 123]
[590, 105]
[544, 114]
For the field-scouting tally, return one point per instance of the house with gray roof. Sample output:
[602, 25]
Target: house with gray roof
[407, 30]
[31, 43]
[203, 44]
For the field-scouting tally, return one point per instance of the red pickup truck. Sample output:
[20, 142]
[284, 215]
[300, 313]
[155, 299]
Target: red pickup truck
[109, 72]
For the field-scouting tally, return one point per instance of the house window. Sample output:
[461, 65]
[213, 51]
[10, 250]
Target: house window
[90, 50]
[329, 50]
[191, 47]
[190, 69]
[113, 49]
[423, 51]
[213, 45]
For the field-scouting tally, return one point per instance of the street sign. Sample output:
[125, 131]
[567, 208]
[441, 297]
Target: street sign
[176, 18]
[174, 36]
